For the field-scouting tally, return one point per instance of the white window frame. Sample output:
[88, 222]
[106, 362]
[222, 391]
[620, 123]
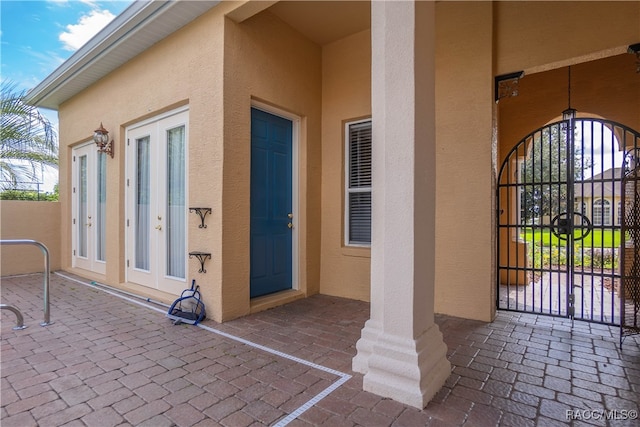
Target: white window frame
[347, 190]
[601, 212]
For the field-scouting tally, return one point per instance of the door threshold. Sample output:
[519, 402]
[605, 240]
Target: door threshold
[273, 300]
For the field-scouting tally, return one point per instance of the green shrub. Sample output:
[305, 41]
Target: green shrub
[29, 195]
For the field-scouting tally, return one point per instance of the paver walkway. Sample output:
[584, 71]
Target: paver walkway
[548, 295]
[106, 361]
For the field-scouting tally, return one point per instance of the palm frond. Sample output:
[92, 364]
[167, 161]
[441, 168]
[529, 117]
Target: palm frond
[27, 138]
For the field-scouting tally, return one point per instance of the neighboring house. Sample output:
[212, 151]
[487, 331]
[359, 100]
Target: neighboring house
[599, 198]
[295, 122]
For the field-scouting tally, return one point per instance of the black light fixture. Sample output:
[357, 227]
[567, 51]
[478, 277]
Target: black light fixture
[569, 113]
[635, 48]
[506, 85]
[101, 138]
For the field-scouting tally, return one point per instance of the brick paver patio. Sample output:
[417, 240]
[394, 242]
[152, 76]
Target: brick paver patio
[106, 361]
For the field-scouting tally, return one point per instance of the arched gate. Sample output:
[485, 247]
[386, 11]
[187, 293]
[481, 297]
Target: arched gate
[561, 211]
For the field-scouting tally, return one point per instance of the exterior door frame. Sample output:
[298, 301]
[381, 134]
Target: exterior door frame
[295, 187]
[89, 262]
[155, 278]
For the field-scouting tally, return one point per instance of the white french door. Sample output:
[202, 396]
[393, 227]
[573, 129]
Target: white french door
[156, 203]
[89, 205]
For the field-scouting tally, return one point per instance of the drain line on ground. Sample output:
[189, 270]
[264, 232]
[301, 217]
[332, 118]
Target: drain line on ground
[342, 377]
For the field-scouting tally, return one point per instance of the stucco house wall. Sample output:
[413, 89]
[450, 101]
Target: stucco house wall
[346, 96]
[537, 38]
[464, 140]
[269, 62]
[217, 81]
[182, 69]
[29, 220]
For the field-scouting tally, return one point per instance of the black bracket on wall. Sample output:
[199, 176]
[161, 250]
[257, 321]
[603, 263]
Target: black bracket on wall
[202, 256]
[202, 212]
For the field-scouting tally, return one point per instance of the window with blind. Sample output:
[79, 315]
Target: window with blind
[358, 183]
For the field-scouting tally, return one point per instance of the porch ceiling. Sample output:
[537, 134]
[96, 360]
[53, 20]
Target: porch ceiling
[325, 21]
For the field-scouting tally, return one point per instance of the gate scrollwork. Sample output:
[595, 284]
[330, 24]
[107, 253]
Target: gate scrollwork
[630, 265]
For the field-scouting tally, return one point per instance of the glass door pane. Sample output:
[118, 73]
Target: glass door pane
[101, 208]
[142, 211]
[176, 207]
[83, 208]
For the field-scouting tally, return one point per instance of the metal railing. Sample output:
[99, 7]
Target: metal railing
[19, 318]
[45, 251]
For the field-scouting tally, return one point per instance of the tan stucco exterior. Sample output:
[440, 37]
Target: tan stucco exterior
[267, 61]
[219, 64]
[346, 96]
[166, 76]
[27, 220]
[535, 36]
[464, 128]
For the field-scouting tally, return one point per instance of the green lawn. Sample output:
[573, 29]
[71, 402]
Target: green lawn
[597, 238]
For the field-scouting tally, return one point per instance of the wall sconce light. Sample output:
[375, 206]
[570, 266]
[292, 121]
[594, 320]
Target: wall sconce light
[101, 138]
[506, 85]
[635, 49]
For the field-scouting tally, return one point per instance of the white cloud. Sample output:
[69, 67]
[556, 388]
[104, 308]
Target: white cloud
[78, 34]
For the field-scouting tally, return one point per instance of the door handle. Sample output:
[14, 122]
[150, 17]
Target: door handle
[158, 227]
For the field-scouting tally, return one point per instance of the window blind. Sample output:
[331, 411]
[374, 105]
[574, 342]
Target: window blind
[358, 203]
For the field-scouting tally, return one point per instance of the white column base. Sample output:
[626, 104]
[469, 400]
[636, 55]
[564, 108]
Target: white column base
[370, 333]
[406, 370]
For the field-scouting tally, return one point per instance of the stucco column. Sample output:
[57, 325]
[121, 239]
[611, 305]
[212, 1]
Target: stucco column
[401, 351]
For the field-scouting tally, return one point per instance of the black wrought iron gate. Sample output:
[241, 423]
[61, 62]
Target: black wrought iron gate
[560, 211]
[630, 257]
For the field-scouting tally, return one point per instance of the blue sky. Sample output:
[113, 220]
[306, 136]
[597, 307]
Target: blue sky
[38, 36]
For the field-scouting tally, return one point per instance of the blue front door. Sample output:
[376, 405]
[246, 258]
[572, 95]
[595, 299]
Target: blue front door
[271, 206]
